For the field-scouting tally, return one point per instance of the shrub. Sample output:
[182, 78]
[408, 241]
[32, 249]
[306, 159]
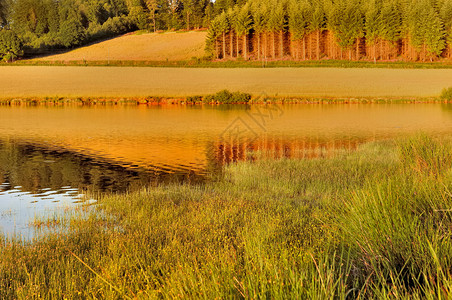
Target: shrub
[226, 97]
[193, 99]
[446, 94]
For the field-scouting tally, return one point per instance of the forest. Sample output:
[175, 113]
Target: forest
[37, 26]
[414, 30]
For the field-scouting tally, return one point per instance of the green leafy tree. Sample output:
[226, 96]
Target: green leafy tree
[3, 13]
[152, 6]
[10, 45]
[71, 33]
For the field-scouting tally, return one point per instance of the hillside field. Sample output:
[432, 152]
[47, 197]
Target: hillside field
[168, 46]
[34, 81]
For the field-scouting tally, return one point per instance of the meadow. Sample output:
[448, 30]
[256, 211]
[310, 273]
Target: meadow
[52, 81]
[374, 223]
[167, 46]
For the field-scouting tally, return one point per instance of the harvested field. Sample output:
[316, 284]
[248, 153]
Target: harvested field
[29, 81]
[169, 46]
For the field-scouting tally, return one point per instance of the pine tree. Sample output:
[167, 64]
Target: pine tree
[276, 20]
[243, 26]
[317, 22]
[299, 22]
[347, 22]
[390, 24]
[446, 18]
[434, 34]
[223, 27]
[372, 24]
[258, 13]
[212, 38]
[426, 29]
[231, 16]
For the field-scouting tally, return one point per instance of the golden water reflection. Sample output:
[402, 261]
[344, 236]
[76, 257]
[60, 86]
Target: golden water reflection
[50, 156]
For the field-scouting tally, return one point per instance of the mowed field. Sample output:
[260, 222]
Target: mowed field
[40, 81]
[171, 46]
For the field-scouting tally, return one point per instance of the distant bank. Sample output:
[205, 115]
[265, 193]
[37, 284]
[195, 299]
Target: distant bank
[33, 81]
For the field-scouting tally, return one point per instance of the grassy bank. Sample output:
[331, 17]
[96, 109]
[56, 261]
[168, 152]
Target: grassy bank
[115, 82]
[375, 223]
[208, 100]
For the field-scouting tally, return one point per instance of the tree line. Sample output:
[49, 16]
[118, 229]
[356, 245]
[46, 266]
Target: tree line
[336, 29]
[42, 25]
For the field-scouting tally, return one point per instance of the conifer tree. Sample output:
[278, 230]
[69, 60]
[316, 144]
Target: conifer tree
[372, 24]
[446, 18]
[276, 20]
[347, 22]
[243, 25]
[317, 22]
[223, 27]
[258, 13]
[299, 22]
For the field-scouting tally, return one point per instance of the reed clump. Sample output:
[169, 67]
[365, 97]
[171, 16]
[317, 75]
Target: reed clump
[364, 224]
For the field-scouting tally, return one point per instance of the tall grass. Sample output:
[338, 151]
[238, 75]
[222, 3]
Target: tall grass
[367, 224]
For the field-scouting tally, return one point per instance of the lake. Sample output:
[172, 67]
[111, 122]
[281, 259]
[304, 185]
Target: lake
[52, 156]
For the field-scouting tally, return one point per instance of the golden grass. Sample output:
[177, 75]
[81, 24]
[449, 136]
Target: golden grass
[33, 81]
[169, 46]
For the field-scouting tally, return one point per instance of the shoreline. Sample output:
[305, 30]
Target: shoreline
[160, 101]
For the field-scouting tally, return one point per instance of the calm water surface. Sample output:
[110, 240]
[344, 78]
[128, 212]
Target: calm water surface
[51, 156]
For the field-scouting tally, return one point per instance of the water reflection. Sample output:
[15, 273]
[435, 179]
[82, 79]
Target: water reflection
[49, 156]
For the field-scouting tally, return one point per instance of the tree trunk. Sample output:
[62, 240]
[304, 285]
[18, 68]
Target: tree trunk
[318, 45]
[274, 45]
[259, 46]
[237, 43]
[231, 46]
[357, 49]
[217, 52]
[281, 54]
[224, 45]
[188, 21]
[304, 48]
[245, 47]
[310, 46]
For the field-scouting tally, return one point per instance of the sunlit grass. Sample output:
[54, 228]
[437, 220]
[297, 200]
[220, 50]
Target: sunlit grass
[118, 82]
[366, 224]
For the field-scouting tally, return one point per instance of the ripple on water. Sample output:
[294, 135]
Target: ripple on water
[19, 209]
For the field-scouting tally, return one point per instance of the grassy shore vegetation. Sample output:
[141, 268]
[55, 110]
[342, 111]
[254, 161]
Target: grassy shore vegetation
[219, 98]
[374, 223]
[109, 82]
